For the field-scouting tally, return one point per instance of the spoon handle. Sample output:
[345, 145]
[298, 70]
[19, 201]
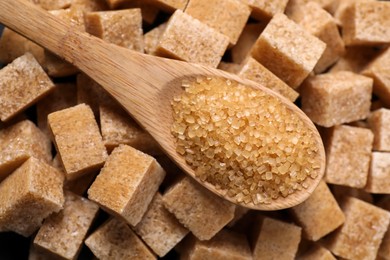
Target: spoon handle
[130, 77]
[34, 23]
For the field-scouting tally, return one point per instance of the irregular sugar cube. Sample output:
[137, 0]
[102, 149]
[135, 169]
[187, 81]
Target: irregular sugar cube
[378, 123]
[19, 142]
[362, 232]
[159, 228]
[319, 214]
[366, 23]
[118, 127]
[55, 5]
[384, 249]
[114, 4]
[91, 93]
[225, 244]
[378, 178]
[253, 70]
[287, 50]
[152, 38]
[341, 9]
[328, 5]
[62, 234]
[120, 27]
[185, 34]
[336, 98]
[276, 240]
[127, 183]
[90, 5]
[321, 24]
[317, 252]
[239, 213]
[225, 16]
[202, 212]
[29, 195]
[13, 45]
[343, 166]
[356, 59]
[248, 37]
[379, 70]
[115, 240]
[63, 96]
[339, 192]
[22, 83]
[170, 5]
[265, 9]
[78, 140]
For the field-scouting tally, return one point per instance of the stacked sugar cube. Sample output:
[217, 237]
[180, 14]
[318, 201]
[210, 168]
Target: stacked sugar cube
[80, 178]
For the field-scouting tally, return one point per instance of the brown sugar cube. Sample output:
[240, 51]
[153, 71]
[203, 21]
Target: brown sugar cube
[159, 229]
[90, 5]
[328, 5]
[239, 213]
[276, 240]
[317, 252]
[91, 93]
[36, 254]
[384, 249]
[78, 186]
[367, 23]
[62, 234]
[120, 27]
[229, 67]
[378, 177]
[152, 38]
[19, 142]
[170, 5]
[13, 45]
[202, 212]
[287, 50]
[379, 70]
[29, 195]
[378, 123]
[78, 140]
[321, 24]
[264, 9]
[225, 244]
[253, 70]
[127, 183]
[355, 59]
[247, 39]
[341, 9]
[114, 4]
[319, 214]
[149, 12]
[336, 98]
[362, 232]
[225, 16]
[55, 5]
[115, 240]
[22, 83]
[343, 166]
[192, 34]
[63, 96]
[339, 192]
[118, 127]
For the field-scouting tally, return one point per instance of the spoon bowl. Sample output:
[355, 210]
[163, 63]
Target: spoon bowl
[144, 85]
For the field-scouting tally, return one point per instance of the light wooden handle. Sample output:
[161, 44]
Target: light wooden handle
[106, 63]
[35, 23]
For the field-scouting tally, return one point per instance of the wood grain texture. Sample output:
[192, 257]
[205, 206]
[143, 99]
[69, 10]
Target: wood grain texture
[144, 85]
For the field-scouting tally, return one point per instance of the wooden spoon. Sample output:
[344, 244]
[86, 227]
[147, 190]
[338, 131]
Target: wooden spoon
[144, 85]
